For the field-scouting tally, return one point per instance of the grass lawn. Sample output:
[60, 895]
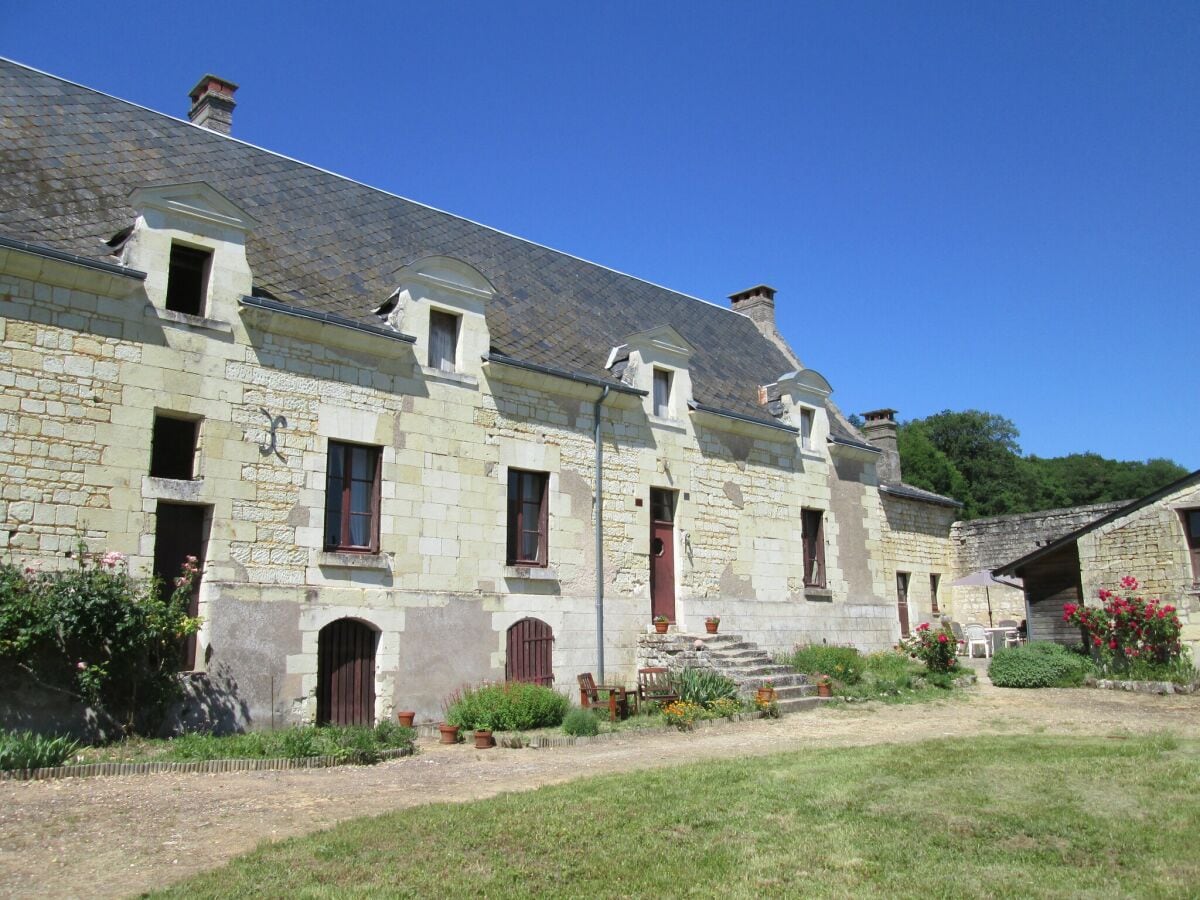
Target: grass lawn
[995, 816]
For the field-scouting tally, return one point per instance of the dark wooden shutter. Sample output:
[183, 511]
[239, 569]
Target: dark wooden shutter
[812, 537]
[375, 498]
[530, 652]
[902, 601]
[346, 674]
[514, 506]
[544, 523]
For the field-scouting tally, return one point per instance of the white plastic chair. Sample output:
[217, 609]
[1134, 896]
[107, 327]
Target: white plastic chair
[976, 634]
[1011, 637]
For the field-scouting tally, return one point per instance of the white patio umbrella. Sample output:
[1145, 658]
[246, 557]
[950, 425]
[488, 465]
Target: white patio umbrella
[985, 579]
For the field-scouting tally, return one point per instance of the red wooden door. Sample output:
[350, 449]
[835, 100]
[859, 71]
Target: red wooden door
[346, 674]
[530, 652]
[902, 601]
[662, 554]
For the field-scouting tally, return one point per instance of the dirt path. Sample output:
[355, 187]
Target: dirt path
[118, 836]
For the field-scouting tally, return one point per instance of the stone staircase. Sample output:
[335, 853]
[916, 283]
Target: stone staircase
[734, 657]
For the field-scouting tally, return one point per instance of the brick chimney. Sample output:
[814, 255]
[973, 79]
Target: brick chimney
[880, 430]
[758, 303]
[212, 104]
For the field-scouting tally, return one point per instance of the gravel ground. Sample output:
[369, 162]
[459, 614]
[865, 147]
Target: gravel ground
[116, 836]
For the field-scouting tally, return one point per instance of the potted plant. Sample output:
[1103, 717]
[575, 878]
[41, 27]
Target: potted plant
[661, 623]
[712, 623]
[766, 693]
[406, 718]
[824, 685]
[449, 733]
[484, 739]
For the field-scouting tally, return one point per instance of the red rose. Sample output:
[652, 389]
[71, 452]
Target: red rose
[942, 638]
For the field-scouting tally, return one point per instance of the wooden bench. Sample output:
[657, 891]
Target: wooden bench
[654, 685]
[616, 701]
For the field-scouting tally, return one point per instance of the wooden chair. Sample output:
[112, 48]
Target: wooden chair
[654, 685]
[616, 700]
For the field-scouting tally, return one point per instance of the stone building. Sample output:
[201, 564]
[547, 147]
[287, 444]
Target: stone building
[984, 544]
[384, 428]
[1155, 538]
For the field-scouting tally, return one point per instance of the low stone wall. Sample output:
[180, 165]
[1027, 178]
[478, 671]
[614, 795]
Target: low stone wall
[1146, 687]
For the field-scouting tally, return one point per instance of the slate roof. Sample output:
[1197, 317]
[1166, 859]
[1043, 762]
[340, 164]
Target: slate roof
[1014, 567]
[70, 156]
[909, 492]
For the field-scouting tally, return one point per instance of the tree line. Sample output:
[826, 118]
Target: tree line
[974, 457]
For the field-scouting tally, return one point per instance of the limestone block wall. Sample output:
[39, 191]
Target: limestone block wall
[987, 543]
[916, 540]
[88, 362]
[1149, 544]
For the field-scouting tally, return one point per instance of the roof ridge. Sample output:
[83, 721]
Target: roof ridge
[371, 187]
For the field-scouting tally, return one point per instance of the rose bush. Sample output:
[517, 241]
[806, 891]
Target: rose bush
[1128, 633]
[937, 648]
[1128, 629]
[98, 634]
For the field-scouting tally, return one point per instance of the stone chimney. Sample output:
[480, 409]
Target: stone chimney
[880, 430]
[212, 104]
[758, 303]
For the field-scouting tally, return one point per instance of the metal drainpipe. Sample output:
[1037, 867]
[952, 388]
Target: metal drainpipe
[599, 534]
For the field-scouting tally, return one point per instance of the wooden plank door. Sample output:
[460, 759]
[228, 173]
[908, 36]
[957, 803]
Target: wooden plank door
[346, 674]
[662, 553]
[178, 534]
[902, 601]
[530, 652]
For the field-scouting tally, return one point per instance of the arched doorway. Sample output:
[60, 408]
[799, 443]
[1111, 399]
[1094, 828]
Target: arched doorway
[346, 674]
[530, 651]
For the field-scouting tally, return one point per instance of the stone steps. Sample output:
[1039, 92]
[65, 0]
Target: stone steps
[734, 657]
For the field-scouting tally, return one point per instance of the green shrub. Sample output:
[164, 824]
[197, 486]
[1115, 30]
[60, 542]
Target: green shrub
[702, 686]
[723, 707]
[26, 750]
[581, 723]
[297, 743]
[351, 742]
[844, 664]
[393, 735]
[1037, 665]
[98, 634]
[357, 742]
[511, 706]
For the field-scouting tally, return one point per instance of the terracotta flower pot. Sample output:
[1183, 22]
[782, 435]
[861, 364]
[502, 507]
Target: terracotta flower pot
[825, 689]
[766, 694]
[484, 739]
[449, 733]
[711, 627]
[406, 718]
[661, 627]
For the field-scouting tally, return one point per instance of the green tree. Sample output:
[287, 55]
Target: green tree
[924, 465]
[974, 457]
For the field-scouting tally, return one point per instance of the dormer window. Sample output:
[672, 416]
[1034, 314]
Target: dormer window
[662, 393]
[187, 279]
[806, 427]
[443, 340]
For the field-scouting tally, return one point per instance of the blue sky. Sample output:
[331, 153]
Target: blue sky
[962, 205]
